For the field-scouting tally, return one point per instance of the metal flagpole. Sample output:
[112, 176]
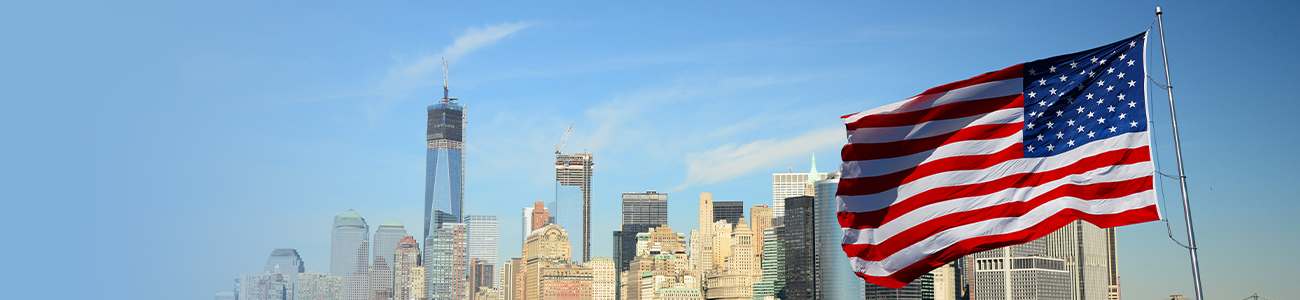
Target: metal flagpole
[1178, 150]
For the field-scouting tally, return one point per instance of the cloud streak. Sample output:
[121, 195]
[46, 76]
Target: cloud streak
[730, 161]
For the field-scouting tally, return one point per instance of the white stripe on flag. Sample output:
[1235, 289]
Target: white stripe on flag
[974, 92]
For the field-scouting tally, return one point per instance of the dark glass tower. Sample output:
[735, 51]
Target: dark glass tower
[444, 173]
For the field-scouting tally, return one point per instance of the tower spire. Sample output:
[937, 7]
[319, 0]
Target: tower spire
[813, 177]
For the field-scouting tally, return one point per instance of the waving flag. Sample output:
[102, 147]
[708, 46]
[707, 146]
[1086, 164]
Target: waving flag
[997, 160]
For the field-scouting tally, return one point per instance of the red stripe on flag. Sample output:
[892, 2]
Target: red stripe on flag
[907, 274]
[876, 184]
[942, 112]
[1012, 72]
[870, 151]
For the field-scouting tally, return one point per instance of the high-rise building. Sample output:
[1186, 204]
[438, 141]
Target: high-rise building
[483, 238]
[1113, 275]
[481, 275]
[317, 286]
[508, 278]
[838, 278]
[800, 246]
[285, 261]
[573, 198]
[705, 261]
[404, 264]
[1019, 272]
[915, 290]
[786, 185]
[641, 211]
[546, 248]
[384, 252]
[773, 283]
[350, 255]
[945, 282]
[265, 286]
[534, 218]
[602, 278]
[760, 219]
[419, 290]
[1085, 248]
[731, 211]
[444, 172]
[721, 245]
[445, 257]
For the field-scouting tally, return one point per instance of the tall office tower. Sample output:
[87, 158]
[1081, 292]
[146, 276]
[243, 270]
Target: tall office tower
[760, 219]
[384, 252]
[838, 276]
[731, 211]
[534, 218]
[602, 278]
[773, 283]
[1019, 272]
[1085, 249]
[706, 234]
[444, 171]
[641, 211]
[800, 249]
[265, 286]
[481, 275]
[350, 255]
[508, 277]
[406, 258]
[945, 282]
[546, 247]
[317, 286]
[721, 245]
[287, 262]
[1113, 274]
[483, 237]
[744, 257]
[573, 197]
[445, 258]
[786, 185]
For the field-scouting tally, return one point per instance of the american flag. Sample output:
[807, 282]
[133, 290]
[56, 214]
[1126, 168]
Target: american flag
[997, 160]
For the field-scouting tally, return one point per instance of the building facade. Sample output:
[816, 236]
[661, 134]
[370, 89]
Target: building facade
[573, 198]
[1086, 250]
[786, 185]
[350, 255]
[265, 286]
[483, 239]
[602, 278]
[1016, 272]
[285, 261]
[640, 212]
[445, 259]
[444, 172]
[317, 286]
[404, 269]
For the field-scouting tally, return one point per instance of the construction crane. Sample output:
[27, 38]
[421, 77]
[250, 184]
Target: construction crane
[564, 139]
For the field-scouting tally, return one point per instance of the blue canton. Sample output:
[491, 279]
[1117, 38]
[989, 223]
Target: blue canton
[1075, 99]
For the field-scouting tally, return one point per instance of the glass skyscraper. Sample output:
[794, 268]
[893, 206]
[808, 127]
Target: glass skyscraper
[349, 255]
[444, 173]
[286, 262]
[572, 206]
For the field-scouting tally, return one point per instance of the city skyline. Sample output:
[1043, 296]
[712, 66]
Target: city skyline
[214, 133]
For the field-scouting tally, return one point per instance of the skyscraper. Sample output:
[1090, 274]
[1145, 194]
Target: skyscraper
[265, 286]
[602, 278]
[1019, 272]
[445, 259]
[483, 237]
[384, 253]
[731, 211]
[534, 218]
[573, 197]
[641, 211]
[349, 255]
[786, 185]
[705, 261]
[1085, 248]
[760, 219]
[481, 275]
[838, 278]
[546, 247]
[404, 272]
[317, 286]
[286, 262]
[444, 172]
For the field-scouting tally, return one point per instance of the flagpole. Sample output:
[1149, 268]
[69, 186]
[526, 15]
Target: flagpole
[1178, 150]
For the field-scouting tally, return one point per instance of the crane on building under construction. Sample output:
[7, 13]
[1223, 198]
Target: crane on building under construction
[560, 147]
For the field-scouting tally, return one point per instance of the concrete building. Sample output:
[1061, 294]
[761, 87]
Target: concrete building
[534, 218]
[734, 286]
[721, 245]
[508, 277]
[444, 172]
[317, 286]
[1086, 250]
[678, 293]
[573, 198]
[445, 259]
[1019, 272]
[760, 219]
[603, 278]
[705, 260]
[481, 275]
[420, 289]
[265, 286]
[484, 238]
[546, 247]
[404, 269]
[744, 253]
[350, 255]
[786, 185]
[945, 282]
[285, 261]
[731, 211]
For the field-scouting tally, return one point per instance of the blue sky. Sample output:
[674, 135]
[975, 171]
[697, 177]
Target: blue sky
[156, 150]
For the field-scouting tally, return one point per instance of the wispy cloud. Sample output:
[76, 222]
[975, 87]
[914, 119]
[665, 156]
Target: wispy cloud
[730, 161]
[408, 76]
